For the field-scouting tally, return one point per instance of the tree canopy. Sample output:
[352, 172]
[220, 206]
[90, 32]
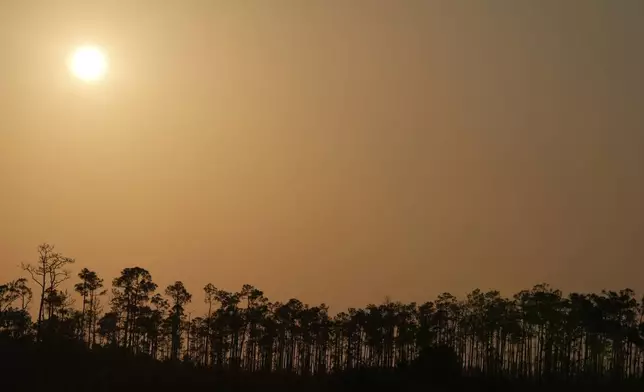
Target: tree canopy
[536, 334]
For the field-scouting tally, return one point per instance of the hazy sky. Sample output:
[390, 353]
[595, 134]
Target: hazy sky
[333, 151]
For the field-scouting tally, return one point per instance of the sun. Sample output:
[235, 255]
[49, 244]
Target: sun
[88, 63]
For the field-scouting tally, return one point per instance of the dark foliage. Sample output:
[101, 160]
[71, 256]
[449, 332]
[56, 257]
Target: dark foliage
[140, 340]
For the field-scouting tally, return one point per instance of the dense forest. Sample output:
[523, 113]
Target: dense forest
[538, 335]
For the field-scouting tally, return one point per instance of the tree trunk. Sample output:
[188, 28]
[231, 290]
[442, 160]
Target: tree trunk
[42, 303]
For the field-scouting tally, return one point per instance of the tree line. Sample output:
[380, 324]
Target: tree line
[537, 333]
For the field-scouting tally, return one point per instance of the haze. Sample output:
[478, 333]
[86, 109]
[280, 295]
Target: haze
[333, 151]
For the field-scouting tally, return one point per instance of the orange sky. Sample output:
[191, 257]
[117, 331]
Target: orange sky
[333, 151]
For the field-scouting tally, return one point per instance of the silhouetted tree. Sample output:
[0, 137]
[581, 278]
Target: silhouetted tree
[13, 291]
[48, 273]
[210, 292]
[87, 288]
[131, 291]
[538, 334]
[15, 320]
[108, 328]
[180, 297]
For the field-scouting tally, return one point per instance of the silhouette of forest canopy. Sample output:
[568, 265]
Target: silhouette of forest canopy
[536, 334]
